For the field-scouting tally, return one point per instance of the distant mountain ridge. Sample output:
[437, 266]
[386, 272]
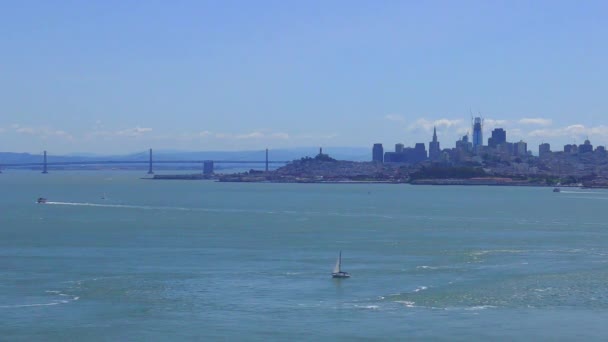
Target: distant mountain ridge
[341, 153]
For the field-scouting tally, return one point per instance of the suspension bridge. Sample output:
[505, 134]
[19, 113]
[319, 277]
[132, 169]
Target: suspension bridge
[207, 165]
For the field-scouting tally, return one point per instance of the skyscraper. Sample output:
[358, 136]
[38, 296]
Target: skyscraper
[570, 148]
[520, 148]
[378, 153]
[586, 147]
[499, 137]
[464, 144]
[434, 150]
[544, 149]
[477, 133]
[419, 152]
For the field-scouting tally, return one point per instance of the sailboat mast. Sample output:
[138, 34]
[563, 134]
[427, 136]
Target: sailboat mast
[340, 262]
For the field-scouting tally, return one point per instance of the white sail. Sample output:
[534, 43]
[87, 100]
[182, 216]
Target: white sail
[337, 267]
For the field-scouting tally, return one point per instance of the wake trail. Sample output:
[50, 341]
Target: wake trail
[125, 206]
[584, 192]
[145, 207]
[214, 210]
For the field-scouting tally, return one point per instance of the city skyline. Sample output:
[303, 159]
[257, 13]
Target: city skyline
[496, 143]
[114, 77]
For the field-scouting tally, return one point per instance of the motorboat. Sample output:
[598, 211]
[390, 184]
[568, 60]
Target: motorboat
[338, 273]
[556, 190]
[41, 200]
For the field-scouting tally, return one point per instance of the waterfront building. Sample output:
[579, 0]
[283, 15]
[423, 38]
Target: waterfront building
[208, 167]
[477, 133]
[378, 153]
[399, 148]
[600, 149]
[434, 149]
[499, 137]
[544, 149]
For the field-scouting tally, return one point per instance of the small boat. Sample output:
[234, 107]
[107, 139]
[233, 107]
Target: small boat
[556, 190]
[41, 200]
[338, 273]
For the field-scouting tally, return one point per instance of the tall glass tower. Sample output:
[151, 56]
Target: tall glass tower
[477, 132]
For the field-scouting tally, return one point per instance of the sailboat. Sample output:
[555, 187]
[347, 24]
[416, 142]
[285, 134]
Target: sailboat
[338, 273]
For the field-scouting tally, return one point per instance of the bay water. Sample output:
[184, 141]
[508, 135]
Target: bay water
[115, 257]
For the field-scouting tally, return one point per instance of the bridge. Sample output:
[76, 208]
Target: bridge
[208, 165]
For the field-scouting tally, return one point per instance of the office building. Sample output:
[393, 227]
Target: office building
[378, 153]
[544, 149]
[570, 148]
[208, 167]
[420, 151]
[586, 147]
[406, 155]
[520, 149]
[499, 137]
[463, 144]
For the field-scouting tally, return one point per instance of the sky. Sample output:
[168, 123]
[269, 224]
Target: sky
[114, 77]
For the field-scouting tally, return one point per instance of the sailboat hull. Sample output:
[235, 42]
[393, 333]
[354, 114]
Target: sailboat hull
[340, 275]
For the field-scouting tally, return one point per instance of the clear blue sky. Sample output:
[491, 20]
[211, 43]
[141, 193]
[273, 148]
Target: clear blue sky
[122, 76]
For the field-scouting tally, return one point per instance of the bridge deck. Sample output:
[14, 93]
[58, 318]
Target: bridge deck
[112, 162]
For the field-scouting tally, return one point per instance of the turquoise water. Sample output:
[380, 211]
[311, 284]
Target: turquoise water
[156, 260]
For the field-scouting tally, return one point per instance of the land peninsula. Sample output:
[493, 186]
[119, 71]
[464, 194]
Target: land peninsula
[324, 169]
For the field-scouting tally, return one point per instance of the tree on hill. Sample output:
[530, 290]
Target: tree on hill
[318, 157]
[324, 157]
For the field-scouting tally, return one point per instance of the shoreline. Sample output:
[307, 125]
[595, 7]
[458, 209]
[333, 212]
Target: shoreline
[481, 181]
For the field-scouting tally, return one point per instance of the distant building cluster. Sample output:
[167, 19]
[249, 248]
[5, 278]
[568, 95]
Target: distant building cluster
[406, 154]
[584, 148]
[497, 150]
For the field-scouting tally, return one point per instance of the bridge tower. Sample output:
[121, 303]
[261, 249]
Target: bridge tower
[150, 164]
[266, 160]
[44, 166]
